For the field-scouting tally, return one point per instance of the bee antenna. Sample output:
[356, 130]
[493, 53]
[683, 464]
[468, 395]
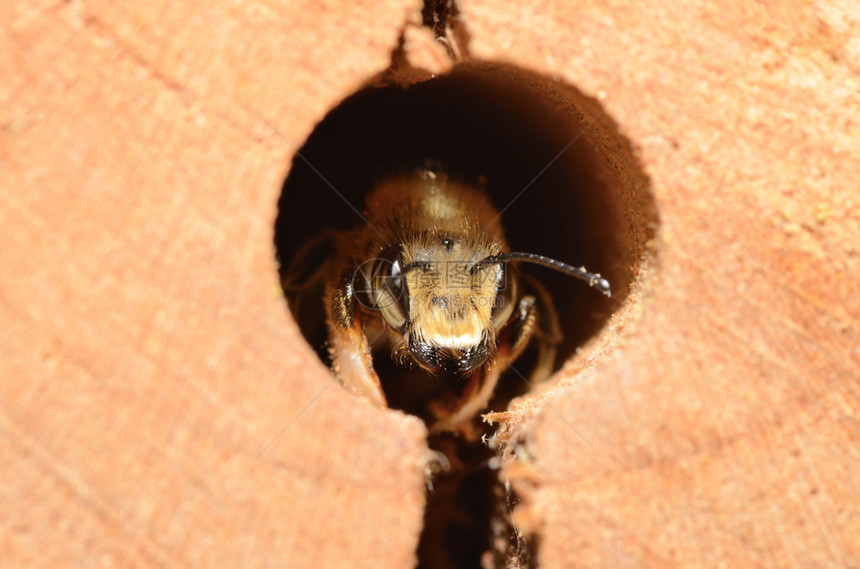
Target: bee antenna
[593, 279]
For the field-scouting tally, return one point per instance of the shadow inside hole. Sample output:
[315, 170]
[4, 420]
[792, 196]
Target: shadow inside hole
[567, 183]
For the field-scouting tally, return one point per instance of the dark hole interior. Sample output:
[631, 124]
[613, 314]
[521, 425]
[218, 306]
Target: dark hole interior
[553, 162]
[558, 194]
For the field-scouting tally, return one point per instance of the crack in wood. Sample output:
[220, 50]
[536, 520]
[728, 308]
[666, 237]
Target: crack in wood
[443, 17]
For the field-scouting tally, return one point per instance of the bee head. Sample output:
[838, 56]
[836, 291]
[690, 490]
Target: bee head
[447, 311]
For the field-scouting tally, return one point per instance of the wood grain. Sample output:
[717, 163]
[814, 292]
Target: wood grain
[158, 406]
[720, 427]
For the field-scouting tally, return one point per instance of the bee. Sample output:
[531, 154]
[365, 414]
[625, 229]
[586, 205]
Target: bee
[430, 278]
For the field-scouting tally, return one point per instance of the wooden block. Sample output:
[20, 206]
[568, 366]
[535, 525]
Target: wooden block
[160, 407]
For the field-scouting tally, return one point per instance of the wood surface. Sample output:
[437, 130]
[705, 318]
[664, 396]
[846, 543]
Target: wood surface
[159, 407]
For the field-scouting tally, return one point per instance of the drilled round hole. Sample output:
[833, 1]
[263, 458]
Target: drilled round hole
[553, 163]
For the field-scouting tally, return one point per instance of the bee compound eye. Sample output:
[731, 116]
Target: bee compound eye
[378, 285]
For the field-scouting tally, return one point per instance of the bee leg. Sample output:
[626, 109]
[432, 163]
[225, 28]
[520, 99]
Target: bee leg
[348, 346]
[307, 267]
[304, 278]
[526, 325]
[472, 402]
[545, 330]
